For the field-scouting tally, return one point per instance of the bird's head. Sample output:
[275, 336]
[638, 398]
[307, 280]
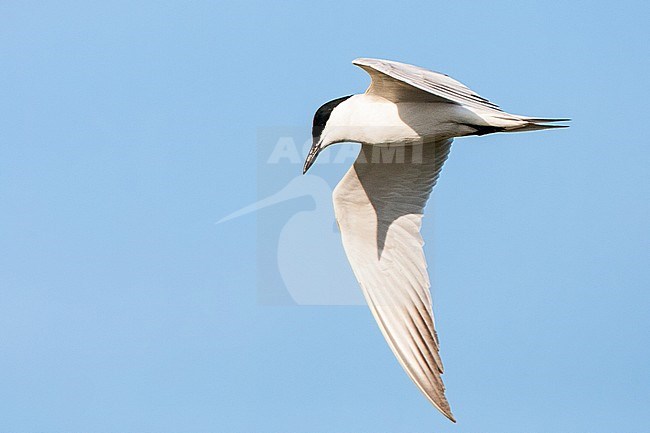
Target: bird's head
[323, 132]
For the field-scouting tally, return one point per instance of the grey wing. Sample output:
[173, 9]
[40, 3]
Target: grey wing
[400, 82]
[379, 209]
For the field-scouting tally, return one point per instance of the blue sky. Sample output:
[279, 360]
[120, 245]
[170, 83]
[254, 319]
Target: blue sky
[127, 130]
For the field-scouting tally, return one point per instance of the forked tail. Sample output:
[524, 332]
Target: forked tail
[537, 123]
[516, 123]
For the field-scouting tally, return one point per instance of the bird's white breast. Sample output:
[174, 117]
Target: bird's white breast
[374, 120]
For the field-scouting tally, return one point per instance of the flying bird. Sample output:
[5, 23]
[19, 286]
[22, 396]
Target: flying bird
[405, 121]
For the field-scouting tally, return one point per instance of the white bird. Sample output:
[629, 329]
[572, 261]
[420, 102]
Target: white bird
[405, 122]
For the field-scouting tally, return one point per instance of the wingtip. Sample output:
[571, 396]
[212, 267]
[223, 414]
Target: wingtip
[554, 126]
[362, 61]
[442, 406]
[450, 416]
[545, 119]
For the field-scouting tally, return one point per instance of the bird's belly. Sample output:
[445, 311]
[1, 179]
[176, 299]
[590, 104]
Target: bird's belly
[407, 123]
[387, 135]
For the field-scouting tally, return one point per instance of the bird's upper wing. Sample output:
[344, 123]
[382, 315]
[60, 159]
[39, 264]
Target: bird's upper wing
[399, 82]
[379, 206]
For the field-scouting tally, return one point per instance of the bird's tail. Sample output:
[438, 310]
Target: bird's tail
[538, 123]
[516, 123]
[535, 126]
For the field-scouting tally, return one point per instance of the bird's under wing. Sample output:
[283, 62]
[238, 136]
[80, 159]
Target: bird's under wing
[400, 82]
[379, 205]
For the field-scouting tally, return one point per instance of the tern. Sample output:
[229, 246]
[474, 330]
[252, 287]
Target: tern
[405, 121]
